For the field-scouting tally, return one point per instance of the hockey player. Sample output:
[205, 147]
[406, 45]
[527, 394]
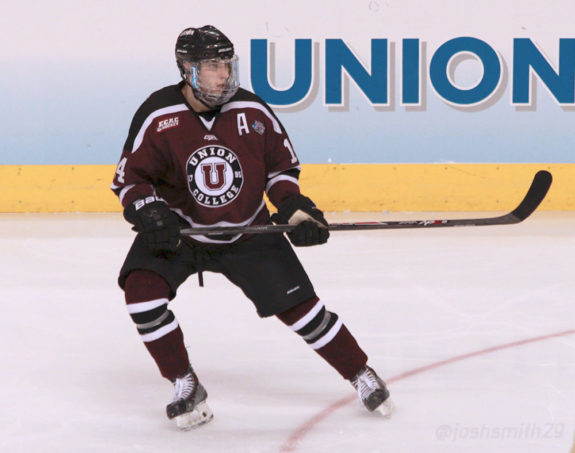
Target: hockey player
[202, 153]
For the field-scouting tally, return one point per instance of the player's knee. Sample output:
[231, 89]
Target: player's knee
[152, 318]
[147, 297]
[149, 313]
[312, 322]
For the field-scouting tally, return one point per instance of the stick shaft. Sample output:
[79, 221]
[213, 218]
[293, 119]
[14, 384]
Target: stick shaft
[535, 195]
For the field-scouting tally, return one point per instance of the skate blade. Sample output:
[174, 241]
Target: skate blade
[201, 415]
[386, 408]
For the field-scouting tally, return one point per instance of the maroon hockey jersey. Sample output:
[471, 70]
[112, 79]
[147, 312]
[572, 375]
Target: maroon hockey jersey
[209, 172]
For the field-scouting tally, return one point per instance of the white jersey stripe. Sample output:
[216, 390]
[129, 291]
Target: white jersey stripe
[272, 181]
[253, 105]
[124, 191]
[328, 336]
[274, 174]
[141, 307]
[147, 337]
[166, 110]
[307, 317]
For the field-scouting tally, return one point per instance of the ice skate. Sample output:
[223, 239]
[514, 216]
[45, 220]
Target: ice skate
[189, 406]
[372, 392]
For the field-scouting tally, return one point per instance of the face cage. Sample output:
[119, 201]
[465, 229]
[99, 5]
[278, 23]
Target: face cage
[203, 92]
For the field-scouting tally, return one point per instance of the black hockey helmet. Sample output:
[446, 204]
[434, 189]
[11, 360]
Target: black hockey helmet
[207, 43]
[203, 43]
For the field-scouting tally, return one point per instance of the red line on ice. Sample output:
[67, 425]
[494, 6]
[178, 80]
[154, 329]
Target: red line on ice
[295, 438]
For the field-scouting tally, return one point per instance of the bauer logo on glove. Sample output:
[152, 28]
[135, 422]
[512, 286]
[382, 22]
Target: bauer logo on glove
[156, 223]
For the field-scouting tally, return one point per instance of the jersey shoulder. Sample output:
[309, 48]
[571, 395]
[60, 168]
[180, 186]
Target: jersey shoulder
[164, 97]
[165, 100]
[245, 99]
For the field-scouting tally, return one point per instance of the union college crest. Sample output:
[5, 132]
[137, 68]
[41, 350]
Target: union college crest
[215, 176]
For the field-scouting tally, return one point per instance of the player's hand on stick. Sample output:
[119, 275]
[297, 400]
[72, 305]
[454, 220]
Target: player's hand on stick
[157, 224]
[311, 226]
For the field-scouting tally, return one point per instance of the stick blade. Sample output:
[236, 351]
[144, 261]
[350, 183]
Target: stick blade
[535, 195]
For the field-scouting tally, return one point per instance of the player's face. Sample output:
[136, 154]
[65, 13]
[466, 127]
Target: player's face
[213, 81]
[214, 74]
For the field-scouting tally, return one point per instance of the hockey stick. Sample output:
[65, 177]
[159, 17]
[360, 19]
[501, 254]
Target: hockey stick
[535, 195]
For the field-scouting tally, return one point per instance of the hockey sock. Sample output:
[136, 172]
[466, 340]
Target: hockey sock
[147, 301]
[326, 334]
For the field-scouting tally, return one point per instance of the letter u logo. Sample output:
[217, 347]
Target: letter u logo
[214, 175]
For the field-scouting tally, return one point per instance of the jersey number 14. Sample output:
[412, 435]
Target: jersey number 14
[120, 169]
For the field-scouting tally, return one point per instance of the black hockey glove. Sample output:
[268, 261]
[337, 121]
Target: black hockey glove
[311, 226]
[157, 224]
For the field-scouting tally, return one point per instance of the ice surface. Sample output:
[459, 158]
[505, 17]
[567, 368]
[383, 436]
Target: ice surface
[76, 378]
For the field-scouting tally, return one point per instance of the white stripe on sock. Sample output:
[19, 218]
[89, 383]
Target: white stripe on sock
[141, 307]
[328, 336]
[307, 317]
[160, 332]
